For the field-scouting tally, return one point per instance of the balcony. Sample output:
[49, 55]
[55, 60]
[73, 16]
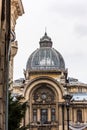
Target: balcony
[46, 123]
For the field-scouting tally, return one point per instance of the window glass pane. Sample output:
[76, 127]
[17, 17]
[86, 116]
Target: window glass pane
[34, 115]
[79, 116]
[53, 114]
[44, 116]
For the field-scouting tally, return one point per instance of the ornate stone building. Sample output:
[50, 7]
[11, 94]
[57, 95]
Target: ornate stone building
[54, 101]
[10, 10]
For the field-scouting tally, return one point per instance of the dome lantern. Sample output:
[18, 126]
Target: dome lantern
[45, 41]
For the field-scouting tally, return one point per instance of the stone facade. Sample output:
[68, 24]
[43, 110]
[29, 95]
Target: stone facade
[47, 90]
[8, 49]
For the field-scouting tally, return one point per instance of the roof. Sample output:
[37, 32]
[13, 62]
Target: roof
[79, 97]
[46, 57]
[75, 82]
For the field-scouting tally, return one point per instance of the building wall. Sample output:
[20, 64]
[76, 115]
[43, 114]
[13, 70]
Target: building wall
[45, 85]
[40, 83]
[5, 47]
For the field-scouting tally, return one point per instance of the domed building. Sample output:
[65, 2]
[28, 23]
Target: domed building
[46, 57]
[54, 101]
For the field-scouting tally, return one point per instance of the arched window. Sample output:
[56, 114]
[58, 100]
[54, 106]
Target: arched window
[43, 104]
[44, 116]
[79, 115]
[43, 95]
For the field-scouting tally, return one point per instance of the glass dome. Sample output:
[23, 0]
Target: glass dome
[46, 57]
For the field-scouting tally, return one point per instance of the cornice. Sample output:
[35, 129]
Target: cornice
[18, 5]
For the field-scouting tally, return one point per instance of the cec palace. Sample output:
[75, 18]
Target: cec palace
[54, 100]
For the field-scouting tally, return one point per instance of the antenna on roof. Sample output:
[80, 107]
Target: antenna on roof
[45, 30]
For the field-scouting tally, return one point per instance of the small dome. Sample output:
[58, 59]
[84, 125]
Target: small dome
[46, 57]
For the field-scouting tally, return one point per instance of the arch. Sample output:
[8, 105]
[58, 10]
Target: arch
[43, 92]
[35, 83]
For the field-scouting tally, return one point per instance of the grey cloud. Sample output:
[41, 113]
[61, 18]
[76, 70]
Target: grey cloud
[76, 55]
[69, 8]
[81, 30]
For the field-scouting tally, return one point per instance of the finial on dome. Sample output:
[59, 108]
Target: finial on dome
[45, 31]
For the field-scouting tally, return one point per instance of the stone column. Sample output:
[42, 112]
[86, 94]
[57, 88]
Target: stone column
[38, 114]
[86, 113]
[30, 111]
[49, 113]
[57, 113]
[75, 115]
[83, 114]
[70, 113]
[60, 115]
[27, 116]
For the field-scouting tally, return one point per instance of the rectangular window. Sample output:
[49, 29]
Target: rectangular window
[79, 115]
[80, 90]
[53, 114]
[44, 116]
[34, 115]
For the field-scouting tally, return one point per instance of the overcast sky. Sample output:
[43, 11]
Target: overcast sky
[66, 23]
